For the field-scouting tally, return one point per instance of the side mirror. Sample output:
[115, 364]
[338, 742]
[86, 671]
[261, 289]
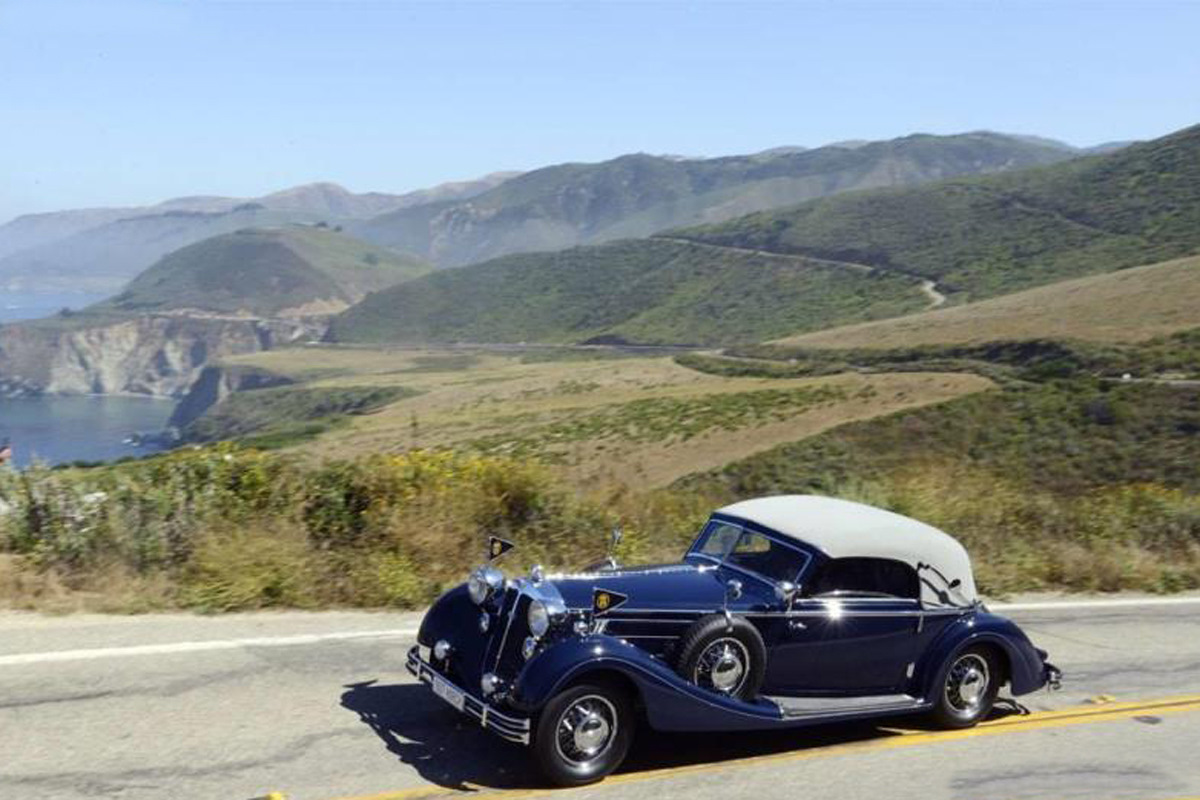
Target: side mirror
[786, 591]
[617, 535]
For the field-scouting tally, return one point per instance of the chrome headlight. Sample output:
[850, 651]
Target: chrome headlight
[539, 619]
[542, 615]
[484, 583]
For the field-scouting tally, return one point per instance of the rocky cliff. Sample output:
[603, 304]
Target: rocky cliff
[159, 355]
[214, 384]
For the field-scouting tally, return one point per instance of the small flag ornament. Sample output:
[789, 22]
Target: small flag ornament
[498, 547]
[605, 600]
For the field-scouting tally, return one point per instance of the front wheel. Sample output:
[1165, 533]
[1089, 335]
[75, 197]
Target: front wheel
[968, 690]
[583, 734]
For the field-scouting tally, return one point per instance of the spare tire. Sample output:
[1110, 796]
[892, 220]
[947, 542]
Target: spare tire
[723, 655]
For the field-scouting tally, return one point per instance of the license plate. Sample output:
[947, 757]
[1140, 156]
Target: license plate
[448, 693]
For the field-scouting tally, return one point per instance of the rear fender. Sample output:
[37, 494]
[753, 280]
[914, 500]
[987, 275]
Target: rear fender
[1026, 671]
[671, 703]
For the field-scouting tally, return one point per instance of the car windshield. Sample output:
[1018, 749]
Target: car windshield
[729, 543]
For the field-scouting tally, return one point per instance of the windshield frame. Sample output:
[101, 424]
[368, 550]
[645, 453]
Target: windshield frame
[750, 527]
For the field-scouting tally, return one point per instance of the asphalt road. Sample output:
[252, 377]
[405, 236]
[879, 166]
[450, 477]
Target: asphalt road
[319, 706]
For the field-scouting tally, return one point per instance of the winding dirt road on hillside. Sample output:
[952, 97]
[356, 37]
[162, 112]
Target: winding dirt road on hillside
[928, 287]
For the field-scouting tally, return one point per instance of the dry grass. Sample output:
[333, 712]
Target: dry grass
[1126, 306]
[110, 589]
[470, 398]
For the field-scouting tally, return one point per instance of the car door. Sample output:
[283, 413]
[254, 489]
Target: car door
[854, 631]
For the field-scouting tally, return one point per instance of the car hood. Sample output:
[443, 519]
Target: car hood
[660, 587]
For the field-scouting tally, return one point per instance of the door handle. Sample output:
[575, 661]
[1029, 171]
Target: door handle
[797, 625]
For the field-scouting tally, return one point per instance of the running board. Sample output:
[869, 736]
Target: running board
[793, 707]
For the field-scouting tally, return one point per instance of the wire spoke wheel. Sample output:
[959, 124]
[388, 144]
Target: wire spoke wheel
[586, 730]
[967, 684]
[722, 666]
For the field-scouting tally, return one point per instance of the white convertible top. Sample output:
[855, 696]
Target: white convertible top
[843, 529]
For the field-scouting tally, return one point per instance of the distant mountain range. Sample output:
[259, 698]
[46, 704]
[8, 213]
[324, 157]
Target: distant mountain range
[99, 250]
[851, 257]
[638, 195]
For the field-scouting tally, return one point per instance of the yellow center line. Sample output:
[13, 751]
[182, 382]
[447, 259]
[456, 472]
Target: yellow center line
[1041, 720]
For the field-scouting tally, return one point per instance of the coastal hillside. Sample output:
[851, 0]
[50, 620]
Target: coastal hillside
[265, 272]
[852, 258]
[642, 291]
[237, 293]
[636, 195]
[1127, 305]
[988, 236]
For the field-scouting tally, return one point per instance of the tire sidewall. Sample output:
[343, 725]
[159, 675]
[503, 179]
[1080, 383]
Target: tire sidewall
[559, 770]
[947, 716]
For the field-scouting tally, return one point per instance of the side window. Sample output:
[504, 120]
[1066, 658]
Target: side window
[719, 538]
[866, 577]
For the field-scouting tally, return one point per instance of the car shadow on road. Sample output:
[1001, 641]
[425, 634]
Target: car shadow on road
[443, 746]
[447, 749]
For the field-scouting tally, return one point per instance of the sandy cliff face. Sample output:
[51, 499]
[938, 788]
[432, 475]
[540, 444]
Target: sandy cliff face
[157, 355]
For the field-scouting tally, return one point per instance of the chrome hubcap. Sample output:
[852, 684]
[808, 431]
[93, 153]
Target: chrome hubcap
[722, 666]
[586, 729]
[967, 684]
[591, 734]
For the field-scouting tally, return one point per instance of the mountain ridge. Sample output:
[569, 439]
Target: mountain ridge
[638, 194]
[964, 238]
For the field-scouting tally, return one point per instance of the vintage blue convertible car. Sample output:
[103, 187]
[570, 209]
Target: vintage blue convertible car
[785, 611]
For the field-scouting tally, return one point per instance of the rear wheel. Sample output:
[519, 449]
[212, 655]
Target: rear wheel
[584, 734]
[969, 689]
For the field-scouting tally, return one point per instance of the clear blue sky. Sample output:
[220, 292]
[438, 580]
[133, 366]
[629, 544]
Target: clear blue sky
[133, 101]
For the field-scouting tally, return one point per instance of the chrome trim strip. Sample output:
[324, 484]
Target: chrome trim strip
[513, 729]
[673, 568]
[812, 612]
[511, 614]
[909, 703]
[642, 636]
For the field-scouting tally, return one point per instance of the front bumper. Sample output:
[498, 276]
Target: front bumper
[506, 726]
[1053, 677]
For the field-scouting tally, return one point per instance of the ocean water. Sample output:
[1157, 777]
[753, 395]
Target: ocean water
[25, 305]
[56, 430]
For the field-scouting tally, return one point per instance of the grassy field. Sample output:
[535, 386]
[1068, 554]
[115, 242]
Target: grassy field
[1073, 484]
[632, 421]
[1125, 306]
[1053, 476]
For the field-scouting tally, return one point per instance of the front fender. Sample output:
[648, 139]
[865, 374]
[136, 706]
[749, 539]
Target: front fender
[451, 612]
[1027, 671]
[671, 703]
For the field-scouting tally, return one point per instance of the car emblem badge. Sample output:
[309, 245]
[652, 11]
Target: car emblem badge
[498, 547]
[605, 600]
